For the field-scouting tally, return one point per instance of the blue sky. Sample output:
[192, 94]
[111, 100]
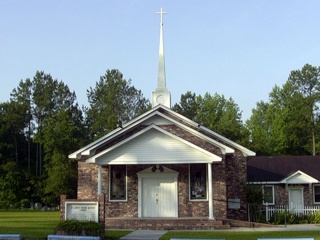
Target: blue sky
[239, 49]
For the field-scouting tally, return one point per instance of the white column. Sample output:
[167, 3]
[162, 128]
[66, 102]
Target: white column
[99, 179]
[210, 192]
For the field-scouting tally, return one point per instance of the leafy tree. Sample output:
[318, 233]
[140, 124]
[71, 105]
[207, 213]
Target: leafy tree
[216, 113]
[43, 113]
[59, 133]
[188, 105]
[113, 102]
[14, 184]
[307, 83]
[12, 123]
[287, 124]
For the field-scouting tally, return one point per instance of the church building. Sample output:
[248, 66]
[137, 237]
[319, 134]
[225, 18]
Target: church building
[163, 171]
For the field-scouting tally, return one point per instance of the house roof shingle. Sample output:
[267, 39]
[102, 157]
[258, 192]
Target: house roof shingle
[276, 168]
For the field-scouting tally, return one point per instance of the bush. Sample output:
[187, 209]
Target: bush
[79, 228]
[25, 203]
[293, 218]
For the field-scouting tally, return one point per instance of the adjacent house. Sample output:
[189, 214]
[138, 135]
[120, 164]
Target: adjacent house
[287, 180]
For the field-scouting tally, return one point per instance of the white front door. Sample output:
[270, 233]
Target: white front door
[159, 197]
[296, 199]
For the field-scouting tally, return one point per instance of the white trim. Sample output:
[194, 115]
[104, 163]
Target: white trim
[299, 177]
[210, 193]
[90, 148]
[273, 196]
[94, 159]
[207, 188]
[314, 193]
[120, 200]
[99, 179]
[265, 183]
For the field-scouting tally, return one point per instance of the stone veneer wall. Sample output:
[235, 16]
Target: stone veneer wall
[236, 178]
[228, 177]
[281, 192]
[87, 190]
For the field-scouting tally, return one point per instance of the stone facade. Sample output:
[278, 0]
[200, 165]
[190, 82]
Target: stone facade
[224, 186]
[281, 192]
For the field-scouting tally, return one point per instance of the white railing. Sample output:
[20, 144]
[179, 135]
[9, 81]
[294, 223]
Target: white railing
[298, 209]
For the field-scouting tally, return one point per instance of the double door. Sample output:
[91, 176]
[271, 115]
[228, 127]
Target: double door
[159, 197]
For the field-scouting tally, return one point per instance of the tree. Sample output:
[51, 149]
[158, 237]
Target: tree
[307, 82]
[44, 113]
[216, 113]
[22, 97]
[288, 122]
[188, 105]
[260, 127]
[59, 137]
[14, 184]
[222, 116]
[113, 102]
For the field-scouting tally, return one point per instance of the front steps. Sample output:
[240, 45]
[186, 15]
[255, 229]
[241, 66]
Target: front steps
[165, 223]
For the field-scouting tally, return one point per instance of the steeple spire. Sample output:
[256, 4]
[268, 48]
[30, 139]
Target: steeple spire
[161, 95]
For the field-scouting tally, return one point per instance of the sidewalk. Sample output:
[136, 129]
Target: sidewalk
[290, 227]
[156, 234]
[144, 235]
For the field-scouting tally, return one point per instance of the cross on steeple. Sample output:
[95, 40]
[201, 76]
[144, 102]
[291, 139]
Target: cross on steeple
[161, 13]
[161, 95]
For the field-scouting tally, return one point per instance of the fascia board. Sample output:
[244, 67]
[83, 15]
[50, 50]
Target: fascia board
[265, 183]
[244, 150]
[88, 148]
[225, 149]
[310, 179]
[93, 159]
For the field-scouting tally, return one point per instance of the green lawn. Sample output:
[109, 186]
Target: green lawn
[38, 225]
[242, 235]
[29, 223]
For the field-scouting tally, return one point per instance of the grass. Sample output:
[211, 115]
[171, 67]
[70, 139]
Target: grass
[34, 224]
[29, 223]
[241, 235]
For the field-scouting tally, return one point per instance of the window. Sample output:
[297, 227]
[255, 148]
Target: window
[268, 194]
[198, 181]
[118, 182]
[316, 190]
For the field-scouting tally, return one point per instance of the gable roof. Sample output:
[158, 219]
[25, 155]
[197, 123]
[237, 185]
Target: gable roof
[159, 115]
[282, 169]
[153, 145]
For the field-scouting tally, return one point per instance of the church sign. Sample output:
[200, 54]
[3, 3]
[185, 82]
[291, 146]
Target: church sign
[82, 211]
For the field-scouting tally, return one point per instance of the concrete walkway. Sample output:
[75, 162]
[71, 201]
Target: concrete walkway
[157, 234]
[144, 235]
[291, 227]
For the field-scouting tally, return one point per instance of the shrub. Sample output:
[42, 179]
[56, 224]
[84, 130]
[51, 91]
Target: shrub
[293, 218]
[79, 228]
[25, 203]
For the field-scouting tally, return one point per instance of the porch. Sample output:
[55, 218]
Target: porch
[165, 223]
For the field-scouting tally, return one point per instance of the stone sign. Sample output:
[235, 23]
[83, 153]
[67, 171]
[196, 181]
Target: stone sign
[82, 211]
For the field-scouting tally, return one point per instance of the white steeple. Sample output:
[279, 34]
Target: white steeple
[161, 95]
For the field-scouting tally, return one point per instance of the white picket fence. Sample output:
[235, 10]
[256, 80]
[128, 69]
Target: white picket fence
[298, 209]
